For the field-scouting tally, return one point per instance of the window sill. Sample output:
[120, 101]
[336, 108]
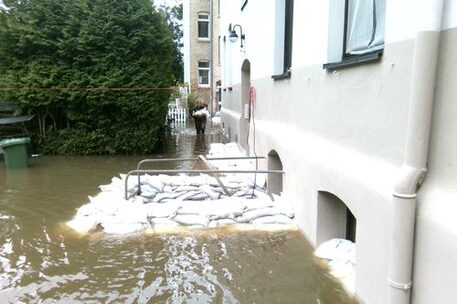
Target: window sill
[200, 39]
[353, 60]
[204, 86]
[285, 75]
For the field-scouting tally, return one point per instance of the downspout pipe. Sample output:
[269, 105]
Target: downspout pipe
[412, 172]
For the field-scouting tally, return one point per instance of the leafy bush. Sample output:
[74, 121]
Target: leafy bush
[85, 69]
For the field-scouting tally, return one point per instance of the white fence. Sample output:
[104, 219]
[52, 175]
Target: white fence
[176, 115]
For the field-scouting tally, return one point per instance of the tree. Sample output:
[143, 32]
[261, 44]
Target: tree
[174, 16]
[81, 67]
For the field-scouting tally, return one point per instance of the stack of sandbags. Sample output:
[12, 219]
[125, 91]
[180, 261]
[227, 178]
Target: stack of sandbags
[340, 255]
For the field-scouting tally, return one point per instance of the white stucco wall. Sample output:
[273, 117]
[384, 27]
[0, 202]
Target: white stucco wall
[344, 132]
[186, 39]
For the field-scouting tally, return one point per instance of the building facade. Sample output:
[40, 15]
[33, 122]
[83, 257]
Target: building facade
[355, 101]
[202, 49]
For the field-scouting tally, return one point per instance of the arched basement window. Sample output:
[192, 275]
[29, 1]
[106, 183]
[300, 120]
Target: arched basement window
[334, 219]
[274, 180]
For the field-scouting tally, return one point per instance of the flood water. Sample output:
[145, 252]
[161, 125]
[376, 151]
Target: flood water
[41, 261]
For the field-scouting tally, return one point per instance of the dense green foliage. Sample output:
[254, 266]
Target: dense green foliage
[174, 17]
[63, 56]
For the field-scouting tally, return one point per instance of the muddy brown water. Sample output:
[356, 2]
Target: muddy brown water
[41, 261]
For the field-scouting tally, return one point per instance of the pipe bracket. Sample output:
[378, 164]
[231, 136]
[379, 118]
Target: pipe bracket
[401, 286]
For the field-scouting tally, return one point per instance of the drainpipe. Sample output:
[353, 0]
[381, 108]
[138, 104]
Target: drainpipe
[414, 166]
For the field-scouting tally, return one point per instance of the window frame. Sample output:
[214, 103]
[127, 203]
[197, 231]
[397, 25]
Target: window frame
[345, 59]
[243, 4]
[200, 69]
[202, 21]
[284, 40]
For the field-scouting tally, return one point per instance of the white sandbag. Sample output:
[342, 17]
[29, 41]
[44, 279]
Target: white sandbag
[257, 203]
[199, 180]
[212, 224]
[196, 207]
[256, 213]
[208, 190]
[107, 197]
[180, 180]
[218, 209]
[168, 209]
[272, 219]
[185, 188]
[243, 192]
[161, 196]
[153, 182]
[285, 210]
[186, 195]
[166, 179]
[216, 148]
[82, 224]
[191, 219]
[133, 181]
[135, 214]
[199, 197]
[124, 228]
[167, 189]
[335, 249]
[100, 206]
[159, 221]
[224, 222]
[261, 194]
[149, 188]
[148, 194]
[87, 209]
[241, 220]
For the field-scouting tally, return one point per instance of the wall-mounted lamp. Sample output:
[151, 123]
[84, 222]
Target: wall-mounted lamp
[234, 36]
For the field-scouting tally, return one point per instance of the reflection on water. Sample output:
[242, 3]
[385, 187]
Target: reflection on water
[43, 262]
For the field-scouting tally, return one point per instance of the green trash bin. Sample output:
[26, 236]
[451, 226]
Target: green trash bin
[15, 152]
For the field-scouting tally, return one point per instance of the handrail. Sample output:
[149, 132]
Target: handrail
[160, 160]
[175, 171]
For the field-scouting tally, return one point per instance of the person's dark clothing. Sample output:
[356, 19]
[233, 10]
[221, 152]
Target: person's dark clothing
[200, 120]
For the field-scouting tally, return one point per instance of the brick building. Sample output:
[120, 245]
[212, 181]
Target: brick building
[202, 49]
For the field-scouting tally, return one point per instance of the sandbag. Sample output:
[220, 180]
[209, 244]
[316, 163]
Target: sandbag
[208, 190]
[257, 203]
[335, 249]
[168, 209]
[82, 224]
[161, 196]
[272, 219]
[124, 228]
[159, 221]
[191, 219]
[256, 213]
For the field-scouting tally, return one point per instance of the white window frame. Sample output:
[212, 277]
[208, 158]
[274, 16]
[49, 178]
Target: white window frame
[338, 53]
[202, 20]
[280, 70]
[203, 69]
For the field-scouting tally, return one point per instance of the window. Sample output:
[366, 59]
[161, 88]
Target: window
[283, 38]
[219, 50]
[203, 73]
[356, 32]
[364, 28]
[203, 25]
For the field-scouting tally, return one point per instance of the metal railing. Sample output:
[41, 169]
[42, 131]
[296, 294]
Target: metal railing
[212, 172]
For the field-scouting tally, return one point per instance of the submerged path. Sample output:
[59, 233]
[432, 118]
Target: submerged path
[43, 261]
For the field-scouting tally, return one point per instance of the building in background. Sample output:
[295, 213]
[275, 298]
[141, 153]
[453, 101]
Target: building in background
[356, 102]
[202, 49]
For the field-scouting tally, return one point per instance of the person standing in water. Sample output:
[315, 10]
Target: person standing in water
[200, 114]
